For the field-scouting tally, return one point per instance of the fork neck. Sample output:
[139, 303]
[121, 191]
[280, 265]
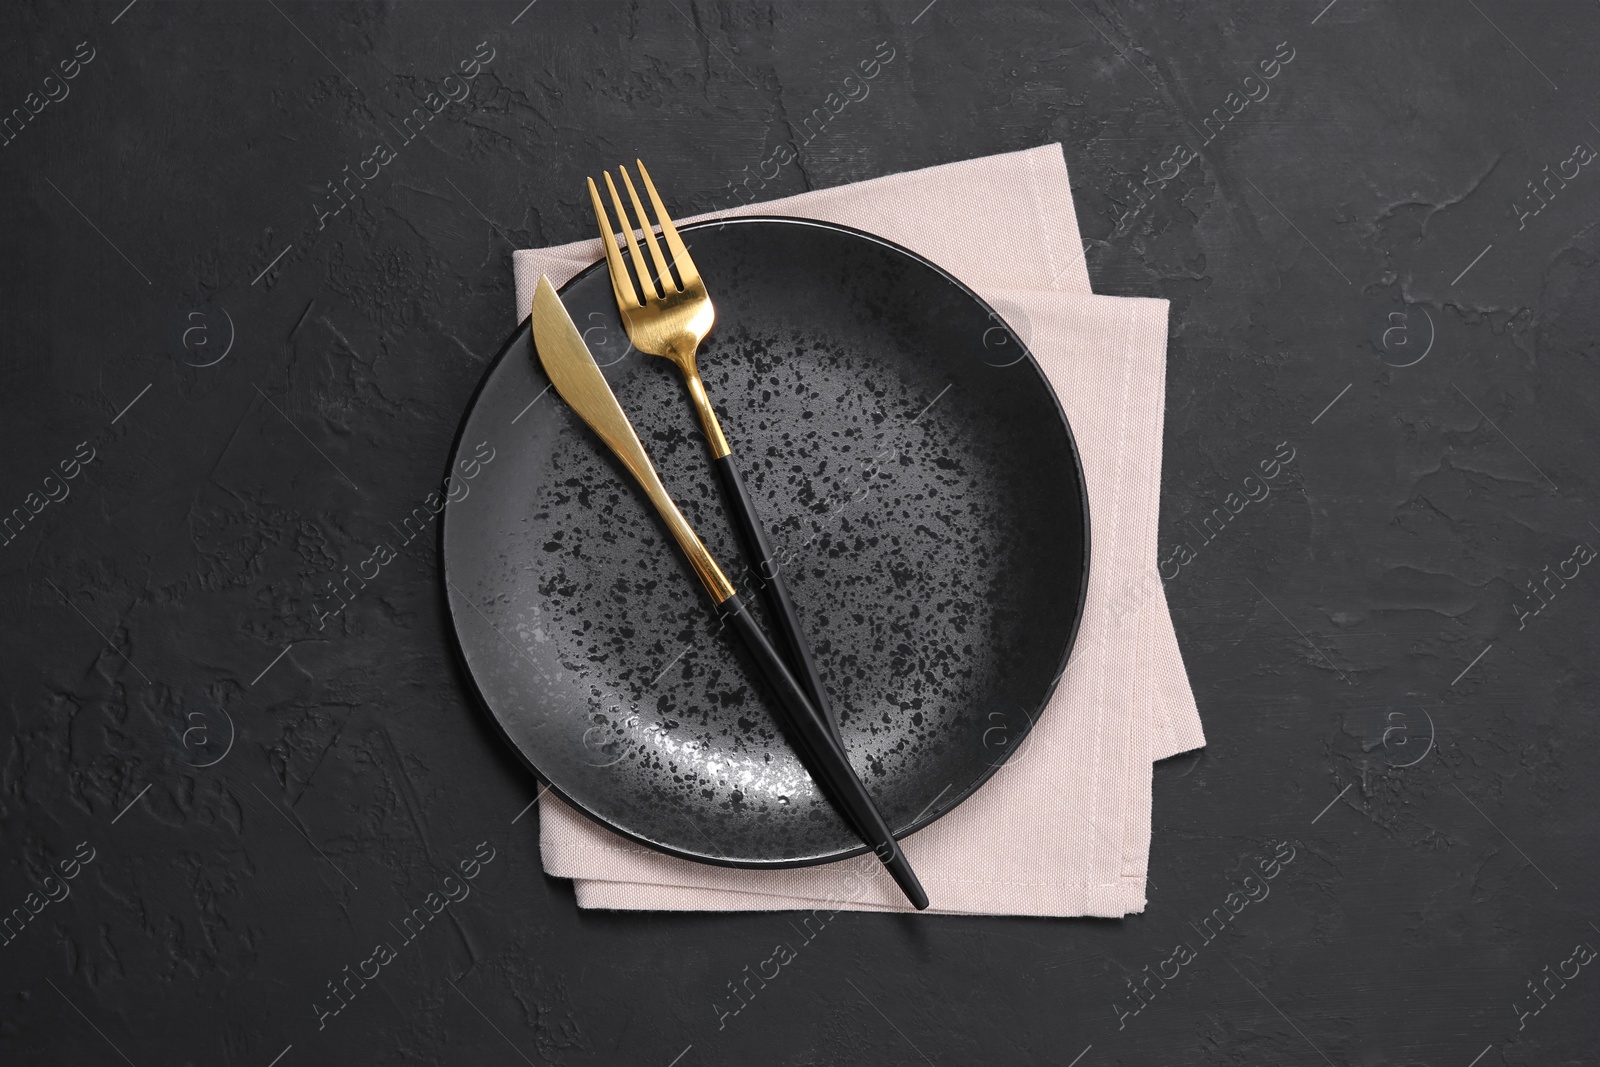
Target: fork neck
[702, 406]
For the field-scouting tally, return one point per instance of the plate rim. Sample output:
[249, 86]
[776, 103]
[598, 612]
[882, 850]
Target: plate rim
[860, 848]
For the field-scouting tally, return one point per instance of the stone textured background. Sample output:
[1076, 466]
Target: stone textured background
[1375, 686]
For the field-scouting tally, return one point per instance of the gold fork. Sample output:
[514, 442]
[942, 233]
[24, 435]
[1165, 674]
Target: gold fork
[670, 318]
[669, 321]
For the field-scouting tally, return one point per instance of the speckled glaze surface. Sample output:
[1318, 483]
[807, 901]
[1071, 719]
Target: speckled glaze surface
[918, 481]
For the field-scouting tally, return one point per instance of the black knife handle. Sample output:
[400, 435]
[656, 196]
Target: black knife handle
[759, 552]
[824, 757]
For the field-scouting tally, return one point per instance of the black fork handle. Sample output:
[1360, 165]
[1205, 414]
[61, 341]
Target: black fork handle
[759, 552]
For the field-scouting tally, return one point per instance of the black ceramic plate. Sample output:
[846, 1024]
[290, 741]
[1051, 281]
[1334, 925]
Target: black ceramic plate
[918, 481]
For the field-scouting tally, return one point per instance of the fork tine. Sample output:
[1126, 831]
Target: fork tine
[680, 251]
[622, 286]
[646, 286]
[649, 235]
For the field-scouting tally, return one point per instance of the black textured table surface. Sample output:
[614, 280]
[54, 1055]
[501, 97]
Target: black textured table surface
[256, 256]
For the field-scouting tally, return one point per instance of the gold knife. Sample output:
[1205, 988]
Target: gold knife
[577, 378]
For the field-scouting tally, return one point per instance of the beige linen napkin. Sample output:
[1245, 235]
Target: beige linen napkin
[1064, 827]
